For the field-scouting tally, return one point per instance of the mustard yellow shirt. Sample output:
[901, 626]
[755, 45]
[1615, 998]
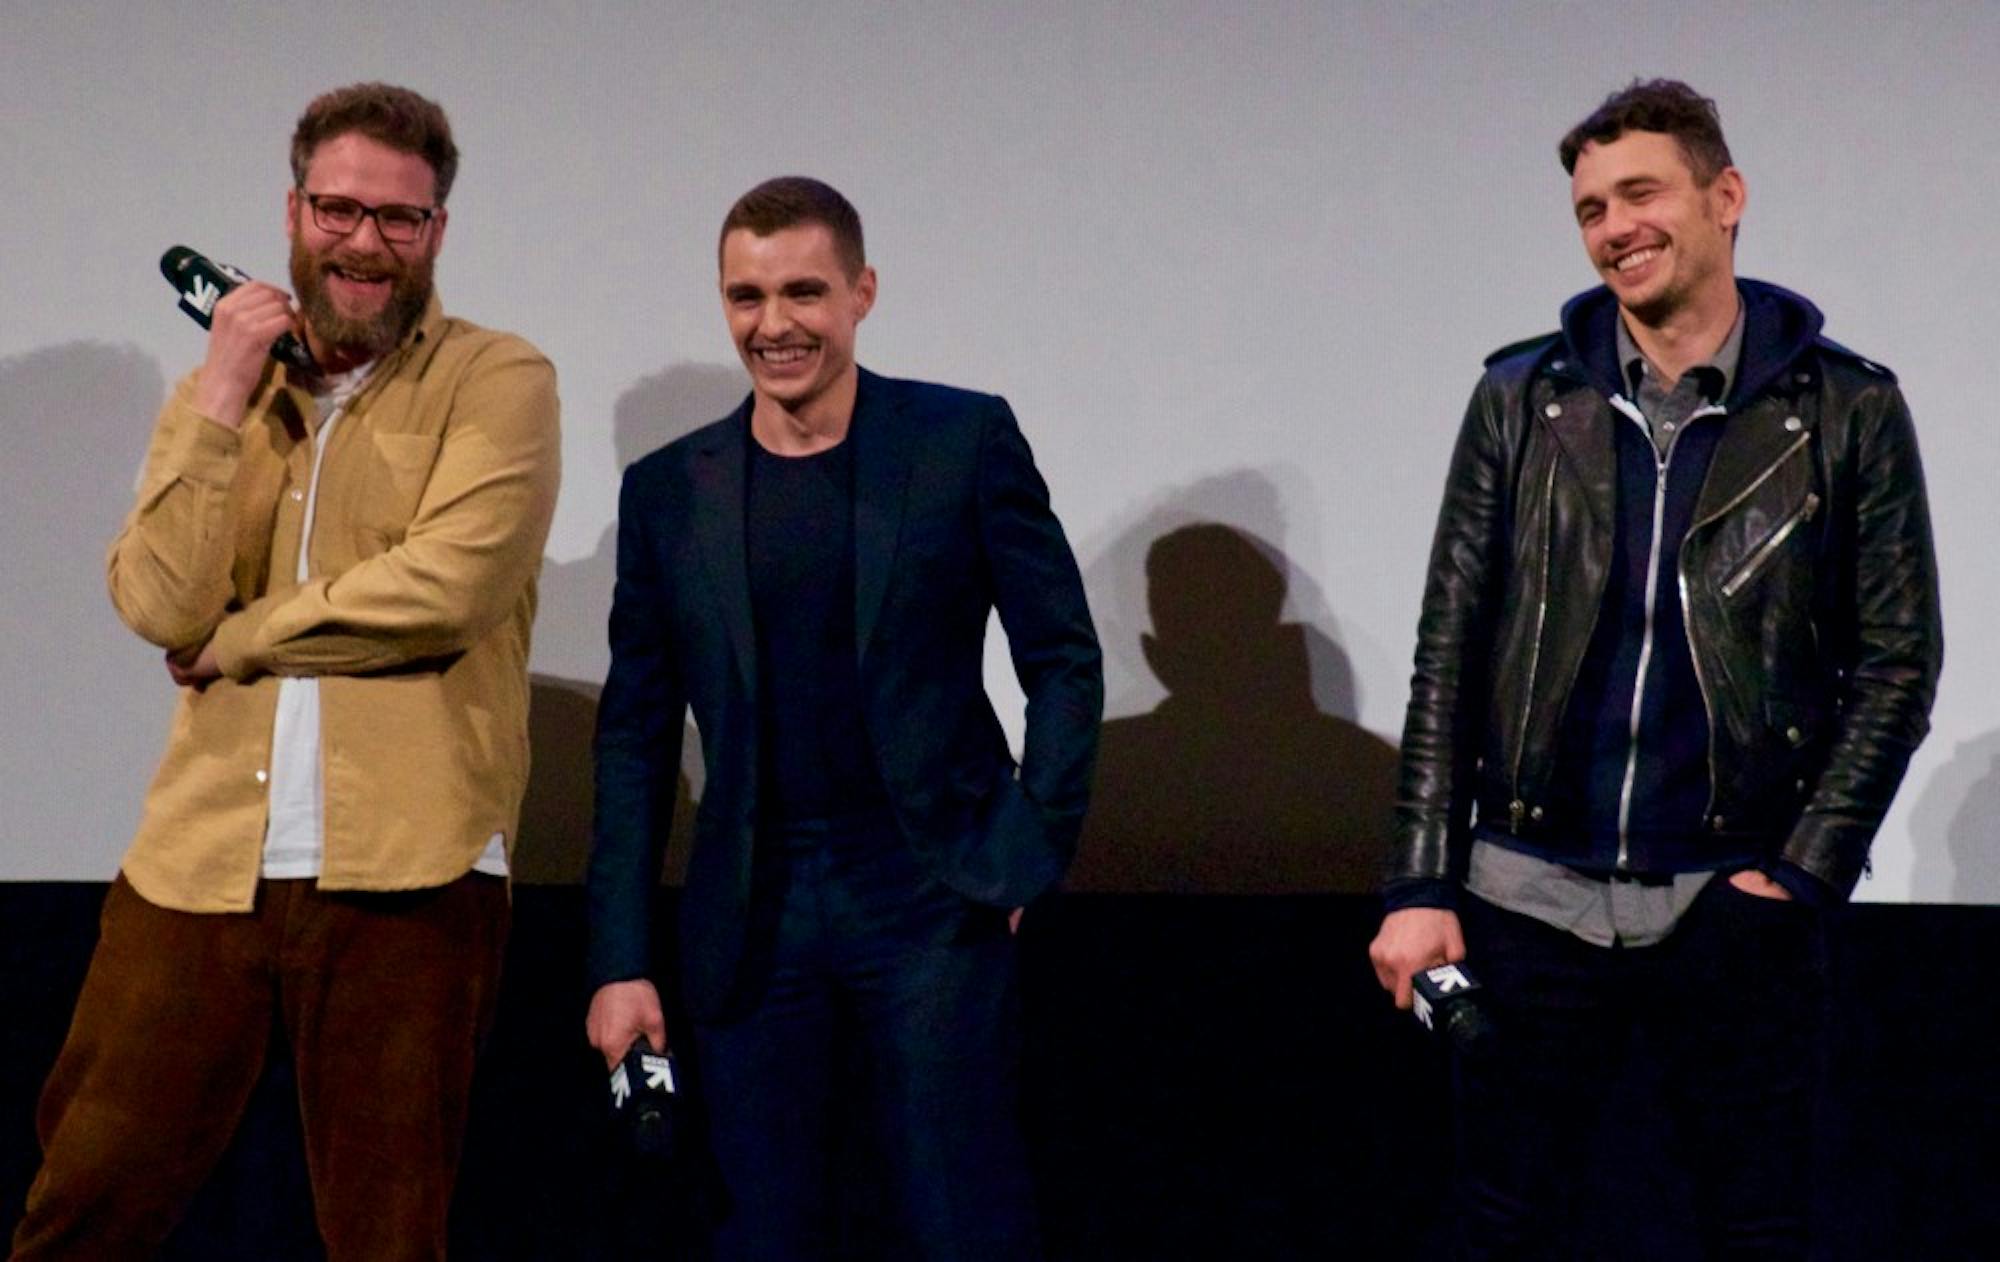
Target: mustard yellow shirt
[435, 495]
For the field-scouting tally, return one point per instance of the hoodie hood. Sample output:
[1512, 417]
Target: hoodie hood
[1778, 327]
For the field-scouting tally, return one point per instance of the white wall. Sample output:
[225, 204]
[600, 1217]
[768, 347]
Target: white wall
[1231, 263]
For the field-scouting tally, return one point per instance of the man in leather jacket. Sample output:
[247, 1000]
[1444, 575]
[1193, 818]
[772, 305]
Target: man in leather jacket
[1679, 639]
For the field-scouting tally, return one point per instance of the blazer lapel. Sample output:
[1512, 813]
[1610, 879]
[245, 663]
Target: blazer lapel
[718, 471]
[880, 433]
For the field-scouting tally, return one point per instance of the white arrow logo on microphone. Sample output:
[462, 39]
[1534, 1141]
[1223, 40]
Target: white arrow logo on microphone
[203, 295]
[621, 1088]
[1447, 978]
[659, 1072]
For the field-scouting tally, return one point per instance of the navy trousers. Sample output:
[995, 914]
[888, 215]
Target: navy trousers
[877, 995]
[1733, 1003]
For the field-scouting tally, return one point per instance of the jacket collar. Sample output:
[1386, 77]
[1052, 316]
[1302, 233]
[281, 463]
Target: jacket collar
[1778, 327]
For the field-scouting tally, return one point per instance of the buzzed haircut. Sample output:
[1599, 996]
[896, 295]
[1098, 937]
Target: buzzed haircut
[393, 116]
[790, 201]
[1667, 106]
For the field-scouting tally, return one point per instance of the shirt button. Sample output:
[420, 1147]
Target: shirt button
[1718, 823]
[1793, 424]
[1794, 735]
[1668, 426]
[1804, 378]
[1535, 814]
[262, 775]
[1556, 364]
[1553, 410]
[297, 494]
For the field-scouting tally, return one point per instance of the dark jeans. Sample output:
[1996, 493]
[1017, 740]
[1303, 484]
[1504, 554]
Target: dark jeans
[383, 998]
[1733, 1003]
[868, 962]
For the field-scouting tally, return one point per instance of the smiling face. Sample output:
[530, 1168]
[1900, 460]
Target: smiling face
[1662, 241]
[793, 310]
[358, 293]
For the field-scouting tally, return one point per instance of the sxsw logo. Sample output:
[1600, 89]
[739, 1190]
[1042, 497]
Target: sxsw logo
[202, 295]
[1448, 979]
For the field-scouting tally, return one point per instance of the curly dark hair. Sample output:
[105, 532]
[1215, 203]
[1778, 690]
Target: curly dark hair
[397, 117]
[1667, 106]
[791, 200]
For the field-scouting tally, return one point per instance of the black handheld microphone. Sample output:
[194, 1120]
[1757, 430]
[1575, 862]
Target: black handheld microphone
[642, 1096]
[1447, 1000]
[202, 282]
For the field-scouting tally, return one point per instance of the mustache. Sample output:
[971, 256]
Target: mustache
[365, 268]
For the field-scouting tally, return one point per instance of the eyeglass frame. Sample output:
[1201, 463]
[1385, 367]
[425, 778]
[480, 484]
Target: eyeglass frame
[428, 216]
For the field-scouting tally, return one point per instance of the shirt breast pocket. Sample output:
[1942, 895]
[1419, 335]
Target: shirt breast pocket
[399, 468]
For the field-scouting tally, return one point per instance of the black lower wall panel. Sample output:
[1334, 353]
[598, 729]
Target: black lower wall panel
[1206, 1077]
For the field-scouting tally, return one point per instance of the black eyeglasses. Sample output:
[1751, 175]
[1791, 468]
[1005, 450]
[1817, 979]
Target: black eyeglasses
[342, 215]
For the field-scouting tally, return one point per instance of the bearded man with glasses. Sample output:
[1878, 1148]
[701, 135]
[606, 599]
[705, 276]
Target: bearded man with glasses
[340, 566]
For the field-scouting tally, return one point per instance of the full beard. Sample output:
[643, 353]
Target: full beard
[359, 337]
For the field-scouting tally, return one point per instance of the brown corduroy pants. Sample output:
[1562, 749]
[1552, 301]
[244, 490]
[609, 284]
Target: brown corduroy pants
[383, 999]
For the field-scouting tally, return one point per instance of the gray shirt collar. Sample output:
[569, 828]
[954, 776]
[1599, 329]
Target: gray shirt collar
[1718, 371]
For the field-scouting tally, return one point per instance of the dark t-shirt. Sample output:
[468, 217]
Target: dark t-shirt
[817, 761]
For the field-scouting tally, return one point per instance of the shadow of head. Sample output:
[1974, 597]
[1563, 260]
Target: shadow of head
[672, 403]
[1238, 782]
[1216, 597]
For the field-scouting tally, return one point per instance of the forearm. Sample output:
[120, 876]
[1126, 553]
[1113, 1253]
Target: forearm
[169, 568]
[420, 601]
[1889, 679]
[1448, 685]
[463, 565]
[1039, 594]
[628, 844]
[637, 754]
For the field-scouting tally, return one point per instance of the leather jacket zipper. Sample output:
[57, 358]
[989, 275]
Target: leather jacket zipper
[1517, 808]
[1687, 612]
[1661, 463]
[1754, 564]
[1756, 482]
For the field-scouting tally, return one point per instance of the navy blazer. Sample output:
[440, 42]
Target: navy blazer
[951, 521]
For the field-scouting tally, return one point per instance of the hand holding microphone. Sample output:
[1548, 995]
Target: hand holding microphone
[247, 320]
[1448, 1001]
[1417, 956]
[644, 1097]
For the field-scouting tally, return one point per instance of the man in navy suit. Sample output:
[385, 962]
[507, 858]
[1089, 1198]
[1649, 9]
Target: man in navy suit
[813, 575]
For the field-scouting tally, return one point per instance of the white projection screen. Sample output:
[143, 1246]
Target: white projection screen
[1235, 266]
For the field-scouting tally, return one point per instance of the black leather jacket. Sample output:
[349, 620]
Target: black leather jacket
[1808, 587]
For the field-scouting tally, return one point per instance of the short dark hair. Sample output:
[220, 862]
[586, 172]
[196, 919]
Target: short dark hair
[791, 200]
[1667, 106]
[397, 117]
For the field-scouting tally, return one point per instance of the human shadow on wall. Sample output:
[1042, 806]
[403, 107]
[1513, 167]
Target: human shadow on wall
[1236, 783]
[1956, 824]
[570, 644]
